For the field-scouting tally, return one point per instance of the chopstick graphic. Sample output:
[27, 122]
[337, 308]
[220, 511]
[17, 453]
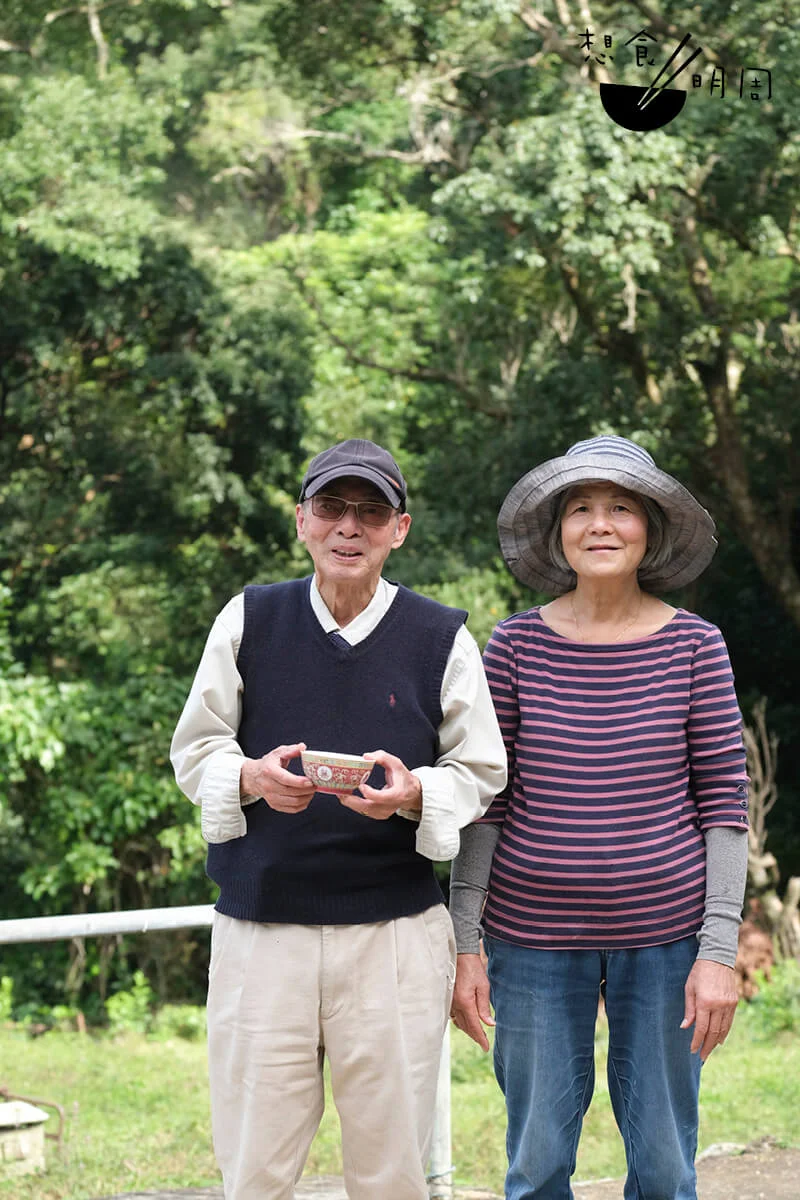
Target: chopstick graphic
[653, 91]
[686, 38]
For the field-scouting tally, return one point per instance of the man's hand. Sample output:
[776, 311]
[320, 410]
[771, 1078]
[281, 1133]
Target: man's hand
[470, 1007]
[401, 790]
[268, 778]
[711, 999]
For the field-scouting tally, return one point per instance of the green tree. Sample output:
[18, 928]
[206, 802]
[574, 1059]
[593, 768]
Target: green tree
[232, 233]
[149, 448]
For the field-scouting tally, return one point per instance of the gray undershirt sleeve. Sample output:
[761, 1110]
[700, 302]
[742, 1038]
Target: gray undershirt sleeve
[726, 877]
[469, 882]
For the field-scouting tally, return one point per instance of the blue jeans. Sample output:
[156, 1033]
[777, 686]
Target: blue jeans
[545, 1004]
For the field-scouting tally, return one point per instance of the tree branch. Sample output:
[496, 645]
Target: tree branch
[431, 152]
[90, 10]
[762, 748]
[13, 47]
[623, 343]
[715, 219]
[661, 25]
[762, 536]
[656, 21]
[416, 374]
[554, 43]
[99, 40]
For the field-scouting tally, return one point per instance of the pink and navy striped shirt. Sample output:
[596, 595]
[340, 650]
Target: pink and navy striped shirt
[619, 757]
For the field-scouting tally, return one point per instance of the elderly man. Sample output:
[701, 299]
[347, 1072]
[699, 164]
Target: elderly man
[330, 937]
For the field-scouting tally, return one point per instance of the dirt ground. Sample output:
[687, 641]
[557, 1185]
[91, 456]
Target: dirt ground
[761, 1171]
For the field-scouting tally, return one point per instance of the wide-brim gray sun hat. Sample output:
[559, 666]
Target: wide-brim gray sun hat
[530, 508]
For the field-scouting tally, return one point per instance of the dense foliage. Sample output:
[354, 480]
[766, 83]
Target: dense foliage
[233, 232]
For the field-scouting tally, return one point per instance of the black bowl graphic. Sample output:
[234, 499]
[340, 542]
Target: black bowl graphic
[621, 101]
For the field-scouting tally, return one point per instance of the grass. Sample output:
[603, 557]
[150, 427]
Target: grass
[137, 1111]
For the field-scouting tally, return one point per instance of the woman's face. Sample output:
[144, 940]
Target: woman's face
[603, 531]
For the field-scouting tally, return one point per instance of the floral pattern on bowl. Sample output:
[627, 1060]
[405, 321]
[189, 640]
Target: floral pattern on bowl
[335, 773]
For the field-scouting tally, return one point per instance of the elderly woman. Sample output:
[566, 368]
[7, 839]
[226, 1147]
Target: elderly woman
[614, 862]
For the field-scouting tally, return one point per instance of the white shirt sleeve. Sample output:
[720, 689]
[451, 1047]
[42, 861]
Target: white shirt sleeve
[205, 753]
[470, 769]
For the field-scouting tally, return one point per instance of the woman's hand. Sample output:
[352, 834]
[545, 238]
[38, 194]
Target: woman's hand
[470, 1008]
[711, 999]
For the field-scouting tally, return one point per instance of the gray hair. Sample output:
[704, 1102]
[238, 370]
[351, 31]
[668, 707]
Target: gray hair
[660, 534]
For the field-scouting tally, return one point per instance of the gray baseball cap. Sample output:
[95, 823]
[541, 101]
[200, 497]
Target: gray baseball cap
[365, 460]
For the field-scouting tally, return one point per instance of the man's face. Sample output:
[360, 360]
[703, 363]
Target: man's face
[347, 551]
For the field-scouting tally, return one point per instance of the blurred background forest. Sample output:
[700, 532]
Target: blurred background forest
[234, 231]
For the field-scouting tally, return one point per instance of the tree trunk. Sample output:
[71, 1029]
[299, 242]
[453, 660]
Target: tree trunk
[780, 917]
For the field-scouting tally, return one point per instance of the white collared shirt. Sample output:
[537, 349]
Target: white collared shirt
[469, 771]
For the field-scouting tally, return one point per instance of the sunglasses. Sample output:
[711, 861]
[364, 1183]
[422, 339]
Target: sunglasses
[333, 508]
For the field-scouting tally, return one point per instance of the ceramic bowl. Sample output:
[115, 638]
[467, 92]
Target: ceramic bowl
[335, 773]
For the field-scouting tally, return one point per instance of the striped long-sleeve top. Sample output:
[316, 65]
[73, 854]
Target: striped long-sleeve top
[619, 756]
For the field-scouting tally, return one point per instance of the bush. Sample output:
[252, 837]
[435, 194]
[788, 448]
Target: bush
[36, 1018]
[131, 1011]
[775, 1008]
[187, 1021]
[6, 998]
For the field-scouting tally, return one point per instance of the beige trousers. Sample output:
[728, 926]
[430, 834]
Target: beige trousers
[375, 999]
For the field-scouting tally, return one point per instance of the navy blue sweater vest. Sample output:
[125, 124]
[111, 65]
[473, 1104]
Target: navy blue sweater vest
[329, 865]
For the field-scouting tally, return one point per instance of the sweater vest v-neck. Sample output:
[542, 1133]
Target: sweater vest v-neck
[329, 865]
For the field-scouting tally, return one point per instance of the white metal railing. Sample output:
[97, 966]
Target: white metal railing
[138, 920]
[145, 920]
